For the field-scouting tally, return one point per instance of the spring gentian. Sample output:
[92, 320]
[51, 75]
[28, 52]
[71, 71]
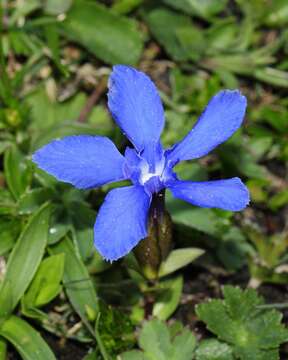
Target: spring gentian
[91, 161]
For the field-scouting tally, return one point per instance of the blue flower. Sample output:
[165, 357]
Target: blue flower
[91, 161]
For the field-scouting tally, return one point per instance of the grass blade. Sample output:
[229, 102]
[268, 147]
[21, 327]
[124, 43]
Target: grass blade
[3, 349]
[25, 259]
[78, 285]
[26, 340]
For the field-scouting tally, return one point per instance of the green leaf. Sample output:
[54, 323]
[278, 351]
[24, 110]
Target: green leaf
[116, 40]
[223, 35]
[57, 230]
[55, 7]
[77, 282]
[31, 200]
[157, 21]
[3, 349]
[183, 345]
[193, 41]
[3, 146]
[17, 172]
[233, 246]
[168, 300]
[202, 8]
[213, 349]
[7, 203]
[279, 200]
[132, 355]
[9, 230]
[83, 219]
[46, 283]
[26, 340]
[91, 356]
[178, 259]
[25, 9]
[272, 76]
[277, 13]
[247, 354]
[26, 256]
[251, 332]
[155, 340]
[204, 220]
[125, 6]
[6, 300]
[55, 112]
[277, 119]
[159, 344]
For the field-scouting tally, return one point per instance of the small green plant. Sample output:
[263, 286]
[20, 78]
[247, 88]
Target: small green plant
[160, 342]
[267, 257]
[245, 331]
[252, 332]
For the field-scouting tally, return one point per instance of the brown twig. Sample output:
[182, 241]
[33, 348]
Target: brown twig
[92, 100]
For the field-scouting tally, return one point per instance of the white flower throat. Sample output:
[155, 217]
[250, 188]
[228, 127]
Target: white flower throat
[146, 175]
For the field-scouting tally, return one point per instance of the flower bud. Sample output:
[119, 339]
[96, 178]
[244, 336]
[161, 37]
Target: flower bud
[152, 250]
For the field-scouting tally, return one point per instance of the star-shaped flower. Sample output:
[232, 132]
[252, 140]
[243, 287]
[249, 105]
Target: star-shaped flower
[91, 161]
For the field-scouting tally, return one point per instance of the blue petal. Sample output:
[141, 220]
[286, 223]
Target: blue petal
[221, 118]
[229, 194]
[132, 166]
[82, 160]
[135, 105]
[121, 222]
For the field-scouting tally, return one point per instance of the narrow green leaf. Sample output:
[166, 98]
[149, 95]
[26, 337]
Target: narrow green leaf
[9, 230]
[277, 13]
[169, 298]
[78, 285]
[3, 349]
[178, 259]
[116, 39]
[157, 20]
[31, 200]
[6, 300]
[56, 112]
[26, 256]
[26, 340]
[7, 203]
[46, 283]
[201, 219]
[17, 173]
[279, 200]
[204, 9]
[125, 6]
[193, 41]
[91, 356]
[272, 76]
[55, 7]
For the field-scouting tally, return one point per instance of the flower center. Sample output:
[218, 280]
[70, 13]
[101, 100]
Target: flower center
[145, 175]
[143, 172]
